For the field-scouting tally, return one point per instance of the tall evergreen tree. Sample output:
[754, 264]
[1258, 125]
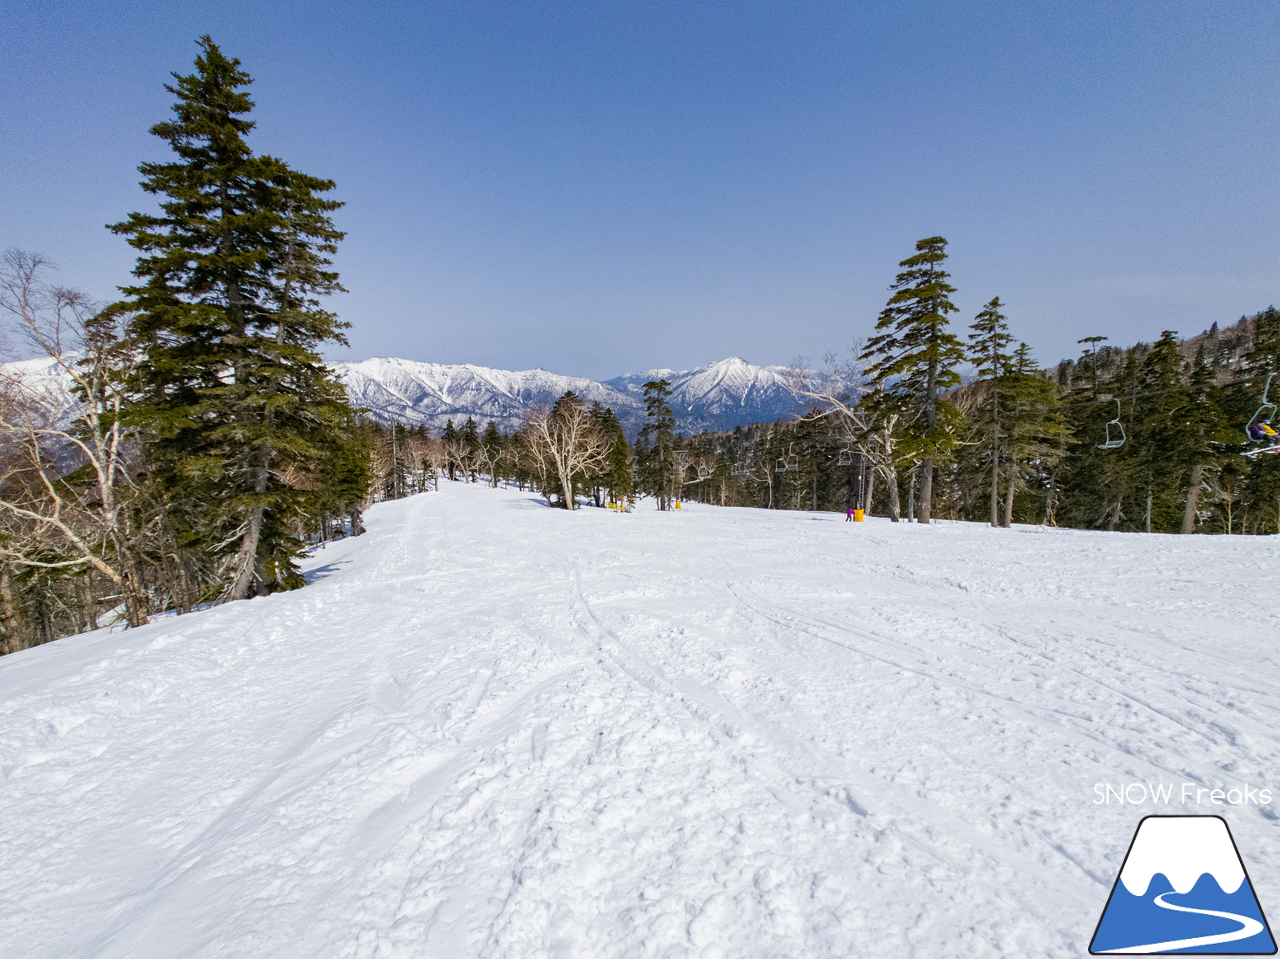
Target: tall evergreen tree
[1121, 479]
[988, 349]
[344, 477]
[1209, 433]
[1033, 423]
[1263, 361]
[658, 444]
[400, 473]
[1163, 440]
[1264, 356]
[916, 357]
[470, 437]
[452, 441]
[492, 449]
[615, 475]
[234, 391]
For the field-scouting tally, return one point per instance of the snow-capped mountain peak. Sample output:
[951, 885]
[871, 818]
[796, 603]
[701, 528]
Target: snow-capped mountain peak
[721, 395]
[409, 391]
[724, 394]
[1183, 848]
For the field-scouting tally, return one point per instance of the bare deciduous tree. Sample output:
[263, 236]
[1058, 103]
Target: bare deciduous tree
[566, 444]
[81, 519]
[873, 429]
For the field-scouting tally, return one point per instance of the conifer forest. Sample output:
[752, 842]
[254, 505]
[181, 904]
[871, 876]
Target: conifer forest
[209, 446]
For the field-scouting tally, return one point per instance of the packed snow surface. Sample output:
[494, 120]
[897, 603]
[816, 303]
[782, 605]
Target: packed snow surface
[488, 728]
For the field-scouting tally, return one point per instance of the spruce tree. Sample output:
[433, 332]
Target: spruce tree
[491, 450]
[452, 444]
[1210, 434]
[916, 357]
[470, 437]
[1264, 357]
[400, 477]
[988, 345]
[1121, 472]
[1262, 484]
[1033, 424]
[1163, 438]
[657, 444]
[233, 390]
[615, 475]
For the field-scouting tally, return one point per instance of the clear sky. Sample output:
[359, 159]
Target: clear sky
[605, 187]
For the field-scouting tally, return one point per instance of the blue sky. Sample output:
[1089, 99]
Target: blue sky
[600, 188]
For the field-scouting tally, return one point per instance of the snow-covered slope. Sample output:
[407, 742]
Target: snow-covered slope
[492, 729]
[44, 380]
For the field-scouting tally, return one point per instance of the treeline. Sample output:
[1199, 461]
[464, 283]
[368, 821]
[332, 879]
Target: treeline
[1146, 438]
[564, 453]
[1149, 438]
[210, 442]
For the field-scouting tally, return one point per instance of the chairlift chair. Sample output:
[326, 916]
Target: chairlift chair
[1266, 412]
[703, 472]
[789, 462]
[846, 458]
[1114, 439]
[739, 468]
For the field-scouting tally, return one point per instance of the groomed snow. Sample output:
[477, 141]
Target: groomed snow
[493, 729]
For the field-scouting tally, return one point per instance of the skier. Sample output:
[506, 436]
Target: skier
[1264, 431]
[848, 515]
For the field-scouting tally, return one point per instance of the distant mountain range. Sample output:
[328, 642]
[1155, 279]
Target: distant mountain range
[45, 381]
[720, 396]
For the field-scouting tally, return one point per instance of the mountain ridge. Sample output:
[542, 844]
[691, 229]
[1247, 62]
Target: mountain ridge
[719, 396]
[730, 392]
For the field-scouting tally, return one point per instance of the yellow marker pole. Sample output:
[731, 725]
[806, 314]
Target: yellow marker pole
[857, 515]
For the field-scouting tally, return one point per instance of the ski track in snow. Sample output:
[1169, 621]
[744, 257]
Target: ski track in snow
[492, 729]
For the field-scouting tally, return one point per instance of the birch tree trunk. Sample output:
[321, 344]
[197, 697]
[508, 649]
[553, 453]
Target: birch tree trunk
[1008, 499]
[1193, 495]
[891, 485]
[995, 487]
[246, 575]
[925, 500]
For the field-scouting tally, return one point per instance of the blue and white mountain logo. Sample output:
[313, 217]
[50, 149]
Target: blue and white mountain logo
[1183, 889]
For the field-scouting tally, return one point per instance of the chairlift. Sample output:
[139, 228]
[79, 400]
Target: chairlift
[1114, 440]
[739, 468]
[846, 458]
[789, 462]
[1259, 428]
[703, 472]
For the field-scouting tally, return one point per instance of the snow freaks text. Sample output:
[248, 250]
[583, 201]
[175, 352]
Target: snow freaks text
[1185, 794]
